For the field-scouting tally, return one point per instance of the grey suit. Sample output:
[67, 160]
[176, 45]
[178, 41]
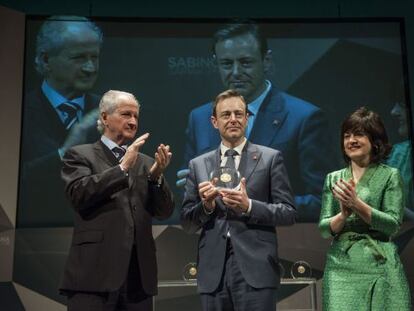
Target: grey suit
[112, 213]
[253, 237]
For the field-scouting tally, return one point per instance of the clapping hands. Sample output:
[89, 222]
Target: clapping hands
[344, 192]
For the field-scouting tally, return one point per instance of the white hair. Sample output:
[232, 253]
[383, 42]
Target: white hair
[108, 104]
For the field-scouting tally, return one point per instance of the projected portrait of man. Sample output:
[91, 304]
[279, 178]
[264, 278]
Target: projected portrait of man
[276, 119]
[401, 154]
[56, 115]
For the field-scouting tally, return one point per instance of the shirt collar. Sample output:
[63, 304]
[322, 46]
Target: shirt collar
[254, 106]
[239, 148]
[110, 144]
[55, 98]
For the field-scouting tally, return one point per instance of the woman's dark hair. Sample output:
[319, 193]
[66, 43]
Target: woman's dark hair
[368, 123]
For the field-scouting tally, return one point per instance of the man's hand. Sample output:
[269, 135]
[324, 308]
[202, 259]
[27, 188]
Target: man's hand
[182, 177]
[162, 160]
[131, 154]
[77, 134]
[236, 199]
[208, 192]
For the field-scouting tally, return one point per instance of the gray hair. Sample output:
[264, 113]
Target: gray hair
[108, 104]
[53, 35]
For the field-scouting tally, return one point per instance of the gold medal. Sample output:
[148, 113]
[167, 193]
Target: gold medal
[225, 177]
[193, 271]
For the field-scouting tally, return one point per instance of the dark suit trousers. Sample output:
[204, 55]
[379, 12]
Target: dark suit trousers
[234, 294]
[130, 297]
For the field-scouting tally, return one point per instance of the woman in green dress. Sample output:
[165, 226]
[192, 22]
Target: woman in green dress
[362, 208]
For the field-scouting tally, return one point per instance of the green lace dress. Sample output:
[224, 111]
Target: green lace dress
[363, 270]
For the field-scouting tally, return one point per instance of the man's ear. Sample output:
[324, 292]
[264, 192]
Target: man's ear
[267, 61]
[44, 60]
[214, 121]
[104, 117]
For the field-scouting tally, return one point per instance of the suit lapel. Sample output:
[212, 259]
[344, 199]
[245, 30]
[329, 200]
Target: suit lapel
[249, 159]
[105, 154]
[269, 119]
[108, 157]
[248, 162]
[212, 162]
[50, 114]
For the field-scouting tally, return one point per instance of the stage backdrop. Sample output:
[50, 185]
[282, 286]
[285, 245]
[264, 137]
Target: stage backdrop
[337, 65]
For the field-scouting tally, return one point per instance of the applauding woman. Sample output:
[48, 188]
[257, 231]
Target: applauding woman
[362, 208]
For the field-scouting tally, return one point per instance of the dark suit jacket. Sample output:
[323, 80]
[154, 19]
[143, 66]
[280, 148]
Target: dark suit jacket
[111, 212]
[253, 237]
[296, 128]
[42, 201]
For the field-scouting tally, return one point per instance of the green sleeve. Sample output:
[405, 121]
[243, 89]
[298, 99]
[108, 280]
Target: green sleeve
[328, 208]
[387, 218]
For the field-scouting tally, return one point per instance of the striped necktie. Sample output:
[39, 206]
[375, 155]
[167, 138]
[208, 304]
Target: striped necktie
[118, 152]
[71, 113]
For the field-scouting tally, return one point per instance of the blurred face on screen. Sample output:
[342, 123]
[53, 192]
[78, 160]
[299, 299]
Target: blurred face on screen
[72, 70]
[398, 112]
[231, 120]
[121, 125]
[242, 66]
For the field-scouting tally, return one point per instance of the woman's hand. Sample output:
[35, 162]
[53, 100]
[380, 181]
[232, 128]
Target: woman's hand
[344, 192]
[338, 221]
[345, 211]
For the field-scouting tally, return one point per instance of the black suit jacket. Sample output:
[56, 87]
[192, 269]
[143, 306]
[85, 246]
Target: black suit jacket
[42, 201]
[253, 237]
[112, 212]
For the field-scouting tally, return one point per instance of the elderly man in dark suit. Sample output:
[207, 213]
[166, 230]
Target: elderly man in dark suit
[237, 253]
[115, 191]
[277, 120]
[58, 114]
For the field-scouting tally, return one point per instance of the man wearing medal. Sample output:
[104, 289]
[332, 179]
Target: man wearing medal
[237, 253]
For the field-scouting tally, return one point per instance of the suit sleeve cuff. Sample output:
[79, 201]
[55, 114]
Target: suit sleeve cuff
[249, 209]
[123, 170]
[206, 211]
[155, 182]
